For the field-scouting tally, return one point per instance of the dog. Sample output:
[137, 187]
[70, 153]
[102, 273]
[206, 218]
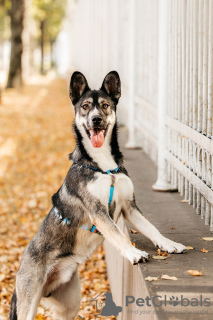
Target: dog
[95, 192]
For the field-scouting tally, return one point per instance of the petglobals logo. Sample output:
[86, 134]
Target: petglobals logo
[159, 301]
[109, 309]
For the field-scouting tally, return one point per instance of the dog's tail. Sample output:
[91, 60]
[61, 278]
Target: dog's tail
[13, 307]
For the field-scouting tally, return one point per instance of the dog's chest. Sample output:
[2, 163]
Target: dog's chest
[122, 192]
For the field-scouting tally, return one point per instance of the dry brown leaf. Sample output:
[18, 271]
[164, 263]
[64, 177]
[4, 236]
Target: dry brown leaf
[133, 231]
[189, 248]
[149, 278]
[194, 272]
[166, 277]
[133, 244]
[204, 250]
[208, 238]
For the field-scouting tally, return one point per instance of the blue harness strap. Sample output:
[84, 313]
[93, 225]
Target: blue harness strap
[111, 191]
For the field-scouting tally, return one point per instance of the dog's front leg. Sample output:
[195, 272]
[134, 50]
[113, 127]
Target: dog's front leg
[136, 218]
[117, 238]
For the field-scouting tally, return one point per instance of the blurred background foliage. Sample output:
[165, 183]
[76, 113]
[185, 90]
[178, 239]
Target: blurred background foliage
[28, 31]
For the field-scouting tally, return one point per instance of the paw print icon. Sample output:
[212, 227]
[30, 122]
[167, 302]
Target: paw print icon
[173, 301]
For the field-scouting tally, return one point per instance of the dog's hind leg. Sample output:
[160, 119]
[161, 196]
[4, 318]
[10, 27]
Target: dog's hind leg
[13, 307]
[29, 288]
[27, 304]
[65, 300]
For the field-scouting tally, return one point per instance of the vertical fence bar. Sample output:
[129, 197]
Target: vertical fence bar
[131, 122]
[183, 55]
[191, 3]
[162, 184]
[208, 212]
[205, 66]
[211, 220]
[200, 67]
[202, 207]
[194, 197]
[210, 72]
[187, 64]
[198, 202]
[179, 62]
[195, 63]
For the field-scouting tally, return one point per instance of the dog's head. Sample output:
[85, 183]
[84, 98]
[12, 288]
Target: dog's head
[95, 110]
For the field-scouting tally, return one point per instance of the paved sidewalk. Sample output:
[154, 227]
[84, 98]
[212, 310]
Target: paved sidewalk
[179, 222]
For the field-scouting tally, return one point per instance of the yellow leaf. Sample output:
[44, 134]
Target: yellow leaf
[204, 250]
[151, 278]
[189, 248]
[133, 231]
[160, 257]
[166, 277]
[194, 272]
[208, 238]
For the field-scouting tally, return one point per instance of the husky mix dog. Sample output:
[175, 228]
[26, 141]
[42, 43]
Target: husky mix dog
[95, 192]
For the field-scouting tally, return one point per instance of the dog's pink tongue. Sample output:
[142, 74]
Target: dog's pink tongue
[97, 138]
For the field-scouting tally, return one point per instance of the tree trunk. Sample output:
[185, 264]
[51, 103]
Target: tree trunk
[17, 17]
[42, 46]
[51, 54]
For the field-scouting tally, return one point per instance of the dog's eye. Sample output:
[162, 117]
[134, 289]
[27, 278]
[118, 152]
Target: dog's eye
[105, 105]
[85, 106]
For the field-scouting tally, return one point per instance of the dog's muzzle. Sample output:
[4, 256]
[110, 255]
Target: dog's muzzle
[96, 135]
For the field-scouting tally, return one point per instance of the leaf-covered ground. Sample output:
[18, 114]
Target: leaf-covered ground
[35, 140]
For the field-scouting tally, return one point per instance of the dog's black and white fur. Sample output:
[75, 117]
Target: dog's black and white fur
[49, 263]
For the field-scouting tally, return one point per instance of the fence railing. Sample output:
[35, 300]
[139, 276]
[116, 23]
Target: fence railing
[190, 103]
[163, 51]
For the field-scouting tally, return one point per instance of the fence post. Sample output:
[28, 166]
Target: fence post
[131, 107]
[163, 27]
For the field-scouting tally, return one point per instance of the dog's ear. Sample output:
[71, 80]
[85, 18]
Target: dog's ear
[112, 85]
[78, 86]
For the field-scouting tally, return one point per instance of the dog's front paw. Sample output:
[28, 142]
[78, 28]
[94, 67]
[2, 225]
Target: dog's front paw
[170, 246]
[136, 256]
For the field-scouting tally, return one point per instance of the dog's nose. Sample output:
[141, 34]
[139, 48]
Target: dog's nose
[96, 119]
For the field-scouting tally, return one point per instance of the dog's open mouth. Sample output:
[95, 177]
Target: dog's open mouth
[96, 136]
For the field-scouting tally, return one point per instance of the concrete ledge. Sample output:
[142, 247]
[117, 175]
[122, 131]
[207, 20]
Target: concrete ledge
[177, 221]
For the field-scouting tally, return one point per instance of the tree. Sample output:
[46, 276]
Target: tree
[49, 15]
[17, 17]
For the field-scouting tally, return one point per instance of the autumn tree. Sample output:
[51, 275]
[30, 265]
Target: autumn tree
[4, 32]
[16, 20]
[49, 15]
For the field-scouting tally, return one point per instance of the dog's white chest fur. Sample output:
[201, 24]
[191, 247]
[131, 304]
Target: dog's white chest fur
[123, 190]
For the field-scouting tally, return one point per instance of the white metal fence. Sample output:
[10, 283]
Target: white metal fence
[163, 51]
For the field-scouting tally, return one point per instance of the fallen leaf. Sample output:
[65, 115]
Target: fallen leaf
[32, 204]
[208, 238]
[164, 254]
[133, 244]
[189, 248]
[184, 200]
[133, 231]
[151, 278]
[194, 272]
[160, 257]
[166, 277]
[172, 228]
[204, 250]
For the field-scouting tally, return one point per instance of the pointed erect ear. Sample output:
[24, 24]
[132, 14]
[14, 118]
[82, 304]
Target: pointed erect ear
[112, 85]
[78, 86]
